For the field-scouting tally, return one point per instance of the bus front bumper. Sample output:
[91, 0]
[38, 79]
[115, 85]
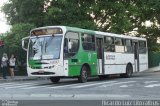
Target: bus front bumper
[56, 71]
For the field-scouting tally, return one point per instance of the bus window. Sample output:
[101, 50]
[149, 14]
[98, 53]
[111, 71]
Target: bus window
[128, 46]
[118, 41]
[109, 44]
[71, 44]
[88, 42]
[119, 45]
[142, 47]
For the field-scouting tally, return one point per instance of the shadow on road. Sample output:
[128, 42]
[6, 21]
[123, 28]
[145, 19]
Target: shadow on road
[70, 81]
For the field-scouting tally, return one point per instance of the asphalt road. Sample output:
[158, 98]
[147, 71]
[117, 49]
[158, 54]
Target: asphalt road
[142, 86]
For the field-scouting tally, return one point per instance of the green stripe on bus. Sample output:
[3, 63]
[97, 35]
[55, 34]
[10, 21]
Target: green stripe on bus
[35, 64]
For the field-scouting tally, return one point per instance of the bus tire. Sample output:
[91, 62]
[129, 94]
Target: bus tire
[55, 79]
[83, 75]
[129, 71]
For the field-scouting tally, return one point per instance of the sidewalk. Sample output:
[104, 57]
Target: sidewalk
[153, 69]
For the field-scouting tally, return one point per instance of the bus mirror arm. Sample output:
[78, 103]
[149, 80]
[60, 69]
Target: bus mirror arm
[24, 44]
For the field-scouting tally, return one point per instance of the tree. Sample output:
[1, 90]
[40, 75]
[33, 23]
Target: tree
[70, 13]
[13, 41]
[125, 16]
[24, 11]
[116, 16]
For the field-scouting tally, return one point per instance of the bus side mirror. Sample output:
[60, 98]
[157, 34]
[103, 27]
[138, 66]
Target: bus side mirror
[25, 43]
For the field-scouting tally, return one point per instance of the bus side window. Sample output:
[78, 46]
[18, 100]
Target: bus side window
[88, 42]
[71, 44]
[109, 44]
[142, 47]
[119, 45]
[128, 46]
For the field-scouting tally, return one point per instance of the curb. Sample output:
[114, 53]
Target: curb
[151, 71]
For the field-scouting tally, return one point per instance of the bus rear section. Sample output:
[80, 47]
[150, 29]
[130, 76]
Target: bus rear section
[121, 54]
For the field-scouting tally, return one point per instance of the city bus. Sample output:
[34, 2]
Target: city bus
[61, 51]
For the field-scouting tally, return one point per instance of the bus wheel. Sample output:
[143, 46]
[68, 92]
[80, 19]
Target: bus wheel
[84, 75]
[55, 79]
[129, 71]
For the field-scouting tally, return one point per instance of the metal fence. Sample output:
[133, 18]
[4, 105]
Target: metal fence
[154, 59]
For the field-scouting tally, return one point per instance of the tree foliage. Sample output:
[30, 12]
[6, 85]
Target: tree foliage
[116, 16]
[13, 41]
[70, 13]
[24, 11]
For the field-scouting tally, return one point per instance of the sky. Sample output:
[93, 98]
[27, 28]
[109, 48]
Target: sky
[3, 23]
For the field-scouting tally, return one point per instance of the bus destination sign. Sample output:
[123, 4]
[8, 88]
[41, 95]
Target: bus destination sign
[46, 31]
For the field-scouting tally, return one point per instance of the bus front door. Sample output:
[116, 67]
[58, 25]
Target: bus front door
[136, 56]
[99, 46]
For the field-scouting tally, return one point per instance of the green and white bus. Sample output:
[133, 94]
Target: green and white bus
[62, 51]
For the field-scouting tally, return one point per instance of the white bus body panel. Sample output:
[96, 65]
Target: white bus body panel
[143, 62]
[65, 67]
[115, 63]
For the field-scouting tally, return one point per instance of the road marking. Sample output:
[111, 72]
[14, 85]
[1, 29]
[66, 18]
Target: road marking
[125, 86]
[148, 82]
[39, 86]
[88, 85]
[118, 83]
[152, 85]
[79, 85]
[15, 84]
[20, 86]
[34, 85]
[6, 83]
[63, 86]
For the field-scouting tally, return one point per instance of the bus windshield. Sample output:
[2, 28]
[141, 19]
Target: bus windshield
[44, 48]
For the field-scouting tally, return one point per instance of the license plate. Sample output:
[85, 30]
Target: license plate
[41, 71]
